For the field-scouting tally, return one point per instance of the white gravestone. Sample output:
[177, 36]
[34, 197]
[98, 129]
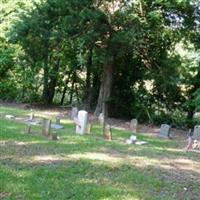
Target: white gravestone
[133, 125]
[74, 113]
[165, 130]
[82, 122]
[196, 133]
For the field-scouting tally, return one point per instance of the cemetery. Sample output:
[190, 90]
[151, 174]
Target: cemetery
[76, 155]
[99, 100]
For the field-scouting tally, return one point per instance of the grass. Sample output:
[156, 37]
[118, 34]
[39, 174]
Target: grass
[88, 167]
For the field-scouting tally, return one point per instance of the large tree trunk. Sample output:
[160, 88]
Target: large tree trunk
[50, 83]
[191, 109]
[105, 90]
[88, 88]
[45, 81]
[65, 90]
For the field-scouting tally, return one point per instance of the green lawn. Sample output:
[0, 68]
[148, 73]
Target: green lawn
[90, 168]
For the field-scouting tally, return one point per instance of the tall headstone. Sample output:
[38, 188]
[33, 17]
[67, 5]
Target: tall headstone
[101, 119]
[82, 122]
[46, 129]
[196, 133]
[74, 113]
[133, 125]
[165, 130]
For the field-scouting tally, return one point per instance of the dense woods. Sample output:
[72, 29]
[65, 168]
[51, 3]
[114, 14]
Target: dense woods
[138, 58]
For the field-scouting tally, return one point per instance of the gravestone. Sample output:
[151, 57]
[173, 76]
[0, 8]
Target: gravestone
[29, 129]
[165, 130]
[101, 119]
[74, 113]
[133, 125]
[82, 122]
[89, 128]
[108, 132]
[46, 129]
[196, 133]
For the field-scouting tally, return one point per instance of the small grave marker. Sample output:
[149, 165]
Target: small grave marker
[81, 122]
[74, 113]
[108, 132]
[133, 125]
[29, 129]
[165, 130]
[46, 129]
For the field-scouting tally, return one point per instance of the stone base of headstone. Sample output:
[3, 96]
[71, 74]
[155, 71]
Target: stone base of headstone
[108, 132]
[46, 129]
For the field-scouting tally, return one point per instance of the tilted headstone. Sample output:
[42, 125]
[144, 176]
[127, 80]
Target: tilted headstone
[82, 122]
[108, 132]
[196, 133]
[133, 125]
[74, 113]
[165, 130]
[46, 129]
[101, 119]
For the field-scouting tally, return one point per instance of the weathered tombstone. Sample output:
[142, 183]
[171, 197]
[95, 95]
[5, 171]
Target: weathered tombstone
[57, 120]
[81, 122]
[89, 128]
[53, 136]
[108, 132]
[133, 125]
[28, 128]
[196, 133]
[165, 130]
[101, 119]
[74, 113]
[46, 129]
